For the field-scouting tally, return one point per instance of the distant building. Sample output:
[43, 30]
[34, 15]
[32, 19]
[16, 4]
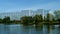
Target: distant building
[18, 15]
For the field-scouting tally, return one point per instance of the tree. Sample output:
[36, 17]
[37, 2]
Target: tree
[26, 20]
[57, 15]
[48, 17]
[6, 20]
[37, 19]
[0, 20]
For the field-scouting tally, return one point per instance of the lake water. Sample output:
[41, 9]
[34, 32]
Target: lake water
[20, 29]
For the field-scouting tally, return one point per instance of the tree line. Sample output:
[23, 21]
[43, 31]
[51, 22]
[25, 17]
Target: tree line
[36, 19]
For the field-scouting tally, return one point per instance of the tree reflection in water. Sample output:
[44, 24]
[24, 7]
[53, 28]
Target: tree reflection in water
[51, 29]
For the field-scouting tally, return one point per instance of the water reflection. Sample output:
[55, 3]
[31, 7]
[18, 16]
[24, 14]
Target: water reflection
[39, 30]
[51, 29]
[6, 28]
[20, 29]
[1, 29]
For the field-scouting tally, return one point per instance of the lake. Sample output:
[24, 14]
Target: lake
[20, 29]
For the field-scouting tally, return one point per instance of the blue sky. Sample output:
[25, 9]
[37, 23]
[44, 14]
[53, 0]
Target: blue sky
[17, 5]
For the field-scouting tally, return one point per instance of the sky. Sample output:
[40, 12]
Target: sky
[18, 5]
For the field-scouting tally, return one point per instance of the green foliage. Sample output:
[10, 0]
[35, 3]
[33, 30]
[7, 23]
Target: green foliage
[26, 20]
[57, 14]
[31, 20]
[38, 19]
[6, 20]
[48, 17]
[0, 20]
